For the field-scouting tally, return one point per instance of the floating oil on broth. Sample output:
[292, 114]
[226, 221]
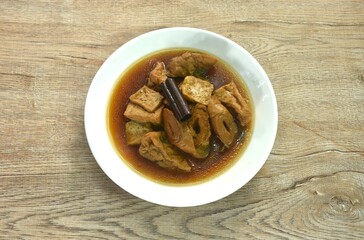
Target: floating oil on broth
[219, 158]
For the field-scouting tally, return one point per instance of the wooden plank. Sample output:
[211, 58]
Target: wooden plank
[312, 185]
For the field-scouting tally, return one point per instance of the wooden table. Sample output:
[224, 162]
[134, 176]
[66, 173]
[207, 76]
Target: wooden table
[312, 185]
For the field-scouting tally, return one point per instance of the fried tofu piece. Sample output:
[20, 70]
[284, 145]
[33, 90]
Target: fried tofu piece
[222, 122]
[199, 126]
[178, 132]
[157, 75]
[196, 90]
[190, 64]
[155, 147]
[135, 131]
[139, 114]
[147, 98]
[230, 96]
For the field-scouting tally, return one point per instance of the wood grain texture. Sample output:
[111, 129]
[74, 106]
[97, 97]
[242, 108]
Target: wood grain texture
[312, 185]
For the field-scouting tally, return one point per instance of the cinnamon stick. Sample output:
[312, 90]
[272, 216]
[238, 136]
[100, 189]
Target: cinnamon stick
[175, 99]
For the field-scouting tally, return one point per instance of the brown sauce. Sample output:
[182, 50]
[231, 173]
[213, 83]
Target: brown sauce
[216, 163]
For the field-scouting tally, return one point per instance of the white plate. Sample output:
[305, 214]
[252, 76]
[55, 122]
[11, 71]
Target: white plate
[261, 143]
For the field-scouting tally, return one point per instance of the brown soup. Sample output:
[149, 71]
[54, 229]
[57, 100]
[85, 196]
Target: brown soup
[217, 161]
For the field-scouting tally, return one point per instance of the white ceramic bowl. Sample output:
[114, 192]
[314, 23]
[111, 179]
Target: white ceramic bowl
[261, 143]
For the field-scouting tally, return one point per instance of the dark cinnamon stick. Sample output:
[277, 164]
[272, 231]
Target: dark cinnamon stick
[175, 99]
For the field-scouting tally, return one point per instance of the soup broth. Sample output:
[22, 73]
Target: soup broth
[219, 158]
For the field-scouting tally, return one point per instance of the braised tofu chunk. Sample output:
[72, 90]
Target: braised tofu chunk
[190, 64]
[155, 147]
[196, 90]
[135, 131]
[147, 98]
[230, 96]
[157, 75]
[199, 126]
[178, 133]
[222, 122]
[139, 114]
